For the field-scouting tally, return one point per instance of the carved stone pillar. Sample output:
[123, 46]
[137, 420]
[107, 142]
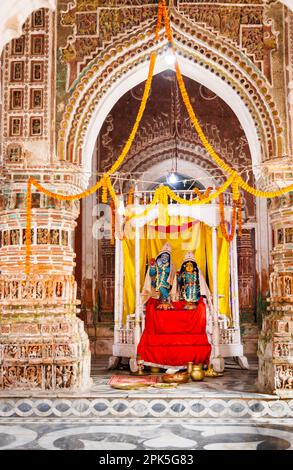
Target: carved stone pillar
[42, 343]
[275, 342]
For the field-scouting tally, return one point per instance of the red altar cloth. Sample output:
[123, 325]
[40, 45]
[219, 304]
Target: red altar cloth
[174, 337]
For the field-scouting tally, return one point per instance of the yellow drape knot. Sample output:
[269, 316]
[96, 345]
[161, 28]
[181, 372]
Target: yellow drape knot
[130, 198]
[204, 195]
[235, 187]
[163, 202]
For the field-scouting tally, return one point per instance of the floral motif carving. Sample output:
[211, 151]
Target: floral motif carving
[284, 377]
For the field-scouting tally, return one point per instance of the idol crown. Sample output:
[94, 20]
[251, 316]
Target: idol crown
[166, 249]
[189, 257]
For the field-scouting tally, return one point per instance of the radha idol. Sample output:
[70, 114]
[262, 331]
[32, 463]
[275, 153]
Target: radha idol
[159, 278]
[190, 284]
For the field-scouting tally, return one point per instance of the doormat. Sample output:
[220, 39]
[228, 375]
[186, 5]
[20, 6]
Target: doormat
[127, 379]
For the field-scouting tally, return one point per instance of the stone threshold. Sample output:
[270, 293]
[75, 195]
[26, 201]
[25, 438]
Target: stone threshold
[135, 406]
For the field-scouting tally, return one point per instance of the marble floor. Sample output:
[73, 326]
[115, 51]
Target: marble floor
[218, 413]
[145, 434]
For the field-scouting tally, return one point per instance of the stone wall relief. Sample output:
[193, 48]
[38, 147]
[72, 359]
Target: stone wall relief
[26, 350]
[26, 103]
[245, 88]
[245, 26]
[44, 237]
[44, 377]
[56, 288]
[14, 153]
[283, 349]
[284, 377]
[158, 127]
[16, 200]
[90, 25]
[281, 286]
[20, 377]
[283, 235]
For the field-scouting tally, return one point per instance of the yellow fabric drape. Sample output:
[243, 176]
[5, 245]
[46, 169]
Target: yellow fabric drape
[223, 269]
[180, 242]
[128, 246]
[197, 239]
[200, 250]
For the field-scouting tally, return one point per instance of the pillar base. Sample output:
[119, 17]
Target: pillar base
[43, 345]
[50, 354]
[218, 364]
[275, 373]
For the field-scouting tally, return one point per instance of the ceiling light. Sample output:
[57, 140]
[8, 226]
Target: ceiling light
[170, 57]
[172, 178]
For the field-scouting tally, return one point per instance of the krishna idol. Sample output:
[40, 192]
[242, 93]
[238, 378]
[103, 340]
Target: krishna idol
[159, 278]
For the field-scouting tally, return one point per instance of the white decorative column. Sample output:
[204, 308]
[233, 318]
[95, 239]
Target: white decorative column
[235, 295]
[137, 327]
[119, 274]
[237, 344]
[217, 360]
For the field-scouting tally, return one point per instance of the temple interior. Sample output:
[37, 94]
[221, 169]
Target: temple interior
[146, 225]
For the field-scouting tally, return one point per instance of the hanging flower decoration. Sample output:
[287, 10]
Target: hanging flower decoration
[163, 193]
[130, 198]
[200, 195]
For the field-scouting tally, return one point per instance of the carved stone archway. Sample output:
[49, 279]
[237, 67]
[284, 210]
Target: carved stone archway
[201, 57]
[14, 13]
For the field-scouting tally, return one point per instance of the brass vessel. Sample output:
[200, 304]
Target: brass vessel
[178, 377]
[155, 370]
[210, 372]
[129, 386]
[189, 367]
[197, 373]
[140, 370]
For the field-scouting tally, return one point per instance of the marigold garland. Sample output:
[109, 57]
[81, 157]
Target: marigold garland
[104, 193]
[143, 103]
[70, 197]
[104, 182]
[167, 23]
[239, 217]
[228, 237]
[220, 162]
[159, 21]
[207, 199]
[130, 198]
[164, 192]
[235, 189]
[204, 195]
